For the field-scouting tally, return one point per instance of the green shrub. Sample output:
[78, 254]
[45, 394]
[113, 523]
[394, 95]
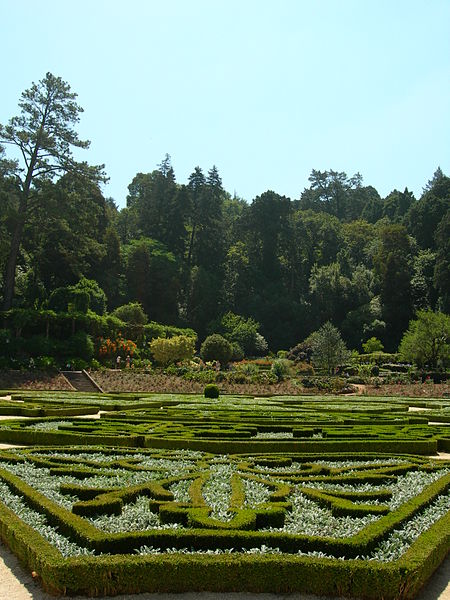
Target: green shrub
[248, 368]
[81, 346]
[237, 329]
[45, 362]
[95, 365]
[177, 348]
[142, 363]
[236, 377]
[304, 368]
[373, 344]
[364, 371]
[338, 384]
[216, 347]
[376, 358]
[355, 379]
[78, 364]
[87, 294]
[265, 378]
[206, 376]
[40, 345]
[238, 353]
[211, 391]
[154, 330]
[131, 313]
[280, 368]
[59, 299]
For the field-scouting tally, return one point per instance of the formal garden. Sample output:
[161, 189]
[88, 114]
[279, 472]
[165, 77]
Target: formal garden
[122, 493]
[272, 377]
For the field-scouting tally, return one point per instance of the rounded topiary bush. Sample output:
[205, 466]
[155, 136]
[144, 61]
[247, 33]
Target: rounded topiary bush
[216, 347]
[211, 391]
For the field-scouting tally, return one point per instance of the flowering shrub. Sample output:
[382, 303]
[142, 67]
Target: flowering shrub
[108, 348]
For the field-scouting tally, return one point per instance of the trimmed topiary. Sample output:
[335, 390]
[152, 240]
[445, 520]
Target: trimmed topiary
[216, 347]
[211, 391]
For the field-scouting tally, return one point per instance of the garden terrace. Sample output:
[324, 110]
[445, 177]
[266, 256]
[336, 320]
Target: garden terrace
[176, 493]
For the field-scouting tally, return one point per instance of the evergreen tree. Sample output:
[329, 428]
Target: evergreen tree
[44, 135]
[392, 265]
[328, 348]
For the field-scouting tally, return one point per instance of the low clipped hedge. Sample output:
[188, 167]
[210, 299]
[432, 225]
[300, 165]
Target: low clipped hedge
[211, 440]
[84, 533]
[124, 571]
[120, 574]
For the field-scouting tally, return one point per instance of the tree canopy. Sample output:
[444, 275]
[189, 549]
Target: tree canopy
[263, 272]
[44, 135]
[427, 340]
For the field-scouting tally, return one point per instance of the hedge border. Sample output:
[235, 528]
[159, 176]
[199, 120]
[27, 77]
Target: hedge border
[110, 575]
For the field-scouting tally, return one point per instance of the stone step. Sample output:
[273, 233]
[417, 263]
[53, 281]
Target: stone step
[81, 381]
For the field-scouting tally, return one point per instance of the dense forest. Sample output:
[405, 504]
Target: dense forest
[190, 252]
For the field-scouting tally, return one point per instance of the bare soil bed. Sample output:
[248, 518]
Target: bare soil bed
[111, 380]
[33, 380]
[132, 381]
[410, 390]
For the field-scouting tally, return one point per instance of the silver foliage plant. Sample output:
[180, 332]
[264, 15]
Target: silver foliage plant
[38, 522]
[306, 517]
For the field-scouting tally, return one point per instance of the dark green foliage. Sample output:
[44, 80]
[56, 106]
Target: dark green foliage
[211, 391]
[96, 298]
[272, 268]
[79, 301]
[216, 347]
[59, 299]
[131, 313]
[427, 341]
[153, 279]
[397, 204]
[86, 294]
[393, 269]
[79, 345]
[120, 569]
[241, 332]
[442, 268]
[425, 215]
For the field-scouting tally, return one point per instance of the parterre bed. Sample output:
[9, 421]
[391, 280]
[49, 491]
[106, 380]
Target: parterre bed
[176, 493]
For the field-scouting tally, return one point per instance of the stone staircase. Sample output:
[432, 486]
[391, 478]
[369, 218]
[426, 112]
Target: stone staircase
[81, 381]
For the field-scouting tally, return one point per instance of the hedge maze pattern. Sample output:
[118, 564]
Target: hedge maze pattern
[173, 493]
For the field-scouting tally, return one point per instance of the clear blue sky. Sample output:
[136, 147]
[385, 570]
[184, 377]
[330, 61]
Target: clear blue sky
[266, 90]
